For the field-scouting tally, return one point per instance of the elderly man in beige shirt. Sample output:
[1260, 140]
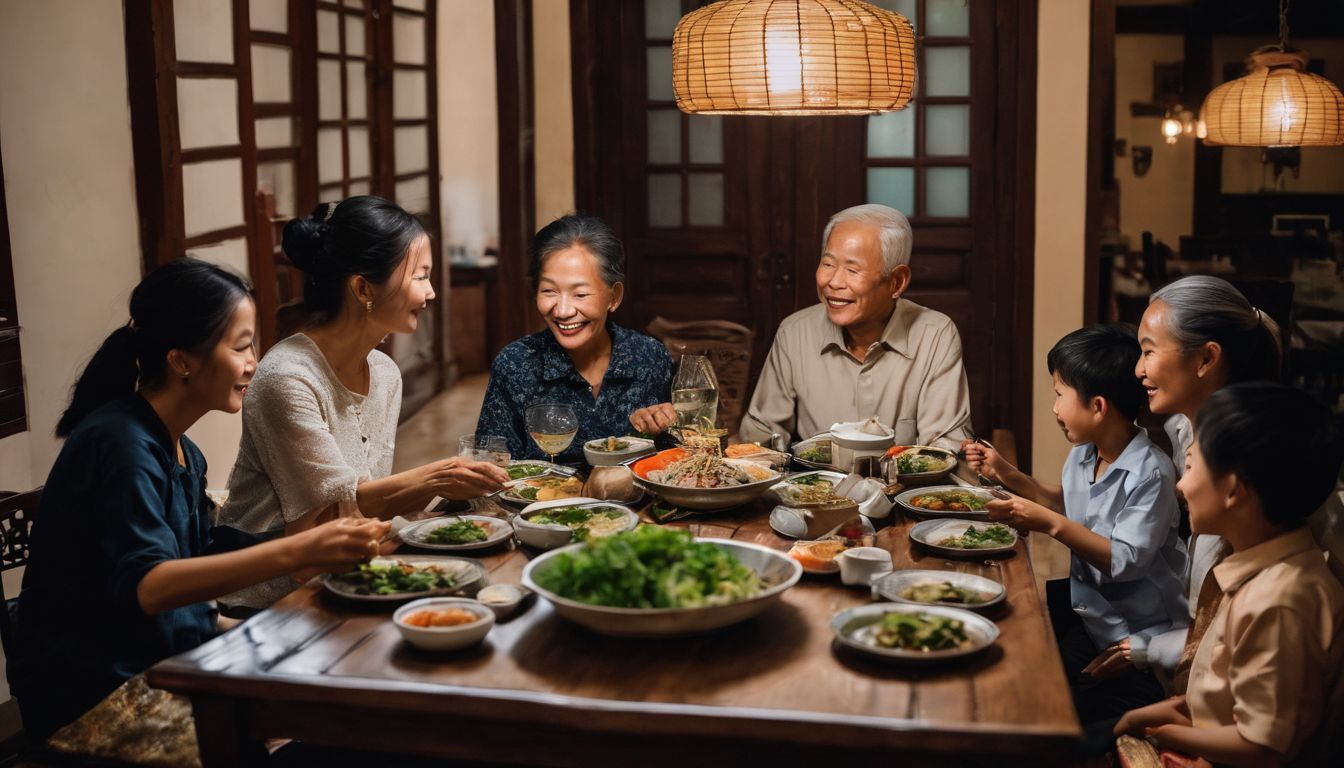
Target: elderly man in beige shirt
[864, 351]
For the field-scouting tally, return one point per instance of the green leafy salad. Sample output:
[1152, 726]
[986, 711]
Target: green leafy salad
[650, 567]
[980, 538]
[584, 521]
[519, 471]
[393, 578]
[459, 532]
[920, 632]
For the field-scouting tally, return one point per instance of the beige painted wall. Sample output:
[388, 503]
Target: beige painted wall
[554, 109]
[468, 124]
[65, 129]
[1161, 201]
[1061, 207]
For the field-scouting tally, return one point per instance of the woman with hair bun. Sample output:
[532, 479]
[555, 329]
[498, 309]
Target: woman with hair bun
[121, 549]
[320, 419]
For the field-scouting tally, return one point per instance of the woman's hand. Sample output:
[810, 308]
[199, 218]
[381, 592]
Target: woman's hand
[460, 479]
[654, 419]
[987, 461]
[1136, 722]
[1111, 662]
[339, 544]
[1023, 515]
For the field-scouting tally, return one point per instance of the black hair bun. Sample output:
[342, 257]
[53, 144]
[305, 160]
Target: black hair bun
[304, 242]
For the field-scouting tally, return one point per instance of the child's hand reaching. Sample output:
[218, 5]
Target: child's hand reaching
[1111, 662]
[1024, 515]
[987, 461]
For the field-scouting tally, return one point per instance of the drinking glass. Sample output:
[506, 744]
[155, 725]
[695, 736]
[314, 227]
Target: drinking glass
[695, 393]
[491, 448]
[552, 426]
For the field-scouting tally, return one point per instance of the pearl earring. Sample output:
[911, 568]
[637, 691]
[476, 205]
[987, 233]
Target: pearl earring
[368, 306]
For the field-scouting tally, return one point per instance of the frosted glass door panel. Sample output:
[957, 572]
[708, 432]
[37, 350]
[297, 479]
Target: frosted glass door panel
[356, 91]
[207, 112]
[359, 152]
[269, 15]
[947, 18]
[948, 192]
[203, 30]
[947, 71]
[414, 5]
[328, 90]
[660, 74]
[664, 200]
[706, 138]
[904, 7]
[278, 179]
[894, 187]
[226, 253]
[274, 132]
[664, 136]
[661, 17]
[947, 130]
[329, 161]
[354, 36]
[328, 32]
[408, 39]
[270, 73]
[411, 148]
[413, 194]
[892, 134]
[408, 95]
[705, 193]
[212, 196]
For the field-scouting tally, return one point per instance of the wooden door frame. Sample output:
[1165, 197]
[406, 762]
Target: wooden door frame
[517, 167]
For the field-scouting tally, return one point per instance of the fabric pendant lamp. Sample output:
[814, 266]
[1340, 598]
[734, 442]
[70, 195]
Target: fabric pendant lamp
[1276, 105]
[793, 57]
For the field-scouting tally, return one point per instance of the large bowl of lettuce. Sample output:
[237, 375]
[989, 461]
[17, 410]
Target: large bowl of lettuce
[660, 582]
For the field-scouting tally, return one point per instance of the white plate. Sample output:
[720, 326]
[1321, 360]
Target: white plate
[638, 446]
[856, 628]
[890, 587]
[511, 497]
[903, 498]
[470, 577]
[544, 467]
[417, 534]
[930, 532]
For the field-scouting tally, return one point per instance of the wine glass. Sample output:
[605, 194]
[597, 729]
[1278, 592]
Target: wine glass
[695, 393]
[552, 426]
[491, 448]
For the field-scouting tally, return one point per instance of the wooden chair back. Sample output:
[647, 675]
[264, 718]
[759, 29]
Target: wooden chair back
[17, 513]
[728, 347]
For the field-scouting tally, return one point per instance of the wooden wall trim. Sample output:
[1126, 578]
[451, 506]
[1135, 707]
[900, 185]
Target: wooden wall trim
[517, 166]
[1018, 81]
[152, 91]
[1100, 125]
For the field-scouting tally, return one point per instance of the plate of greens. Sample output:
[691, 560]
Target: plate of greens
[817, 452]
[952, 588]
[457, 533]
[964, 537]
[913, 634]
[384, 580]
[524, 468]
[660, 582]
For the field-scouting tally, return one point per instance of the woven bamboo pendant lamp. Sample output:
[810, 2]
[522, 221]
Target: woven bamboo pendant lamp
[793, 57]
[1277, 104]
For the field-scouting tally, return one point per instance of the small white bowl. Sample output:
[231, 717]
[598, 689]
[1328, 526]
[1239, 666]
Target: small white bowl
[635, 446]
[849, 435]
[445, 638]
[503, 599]
[550, 536]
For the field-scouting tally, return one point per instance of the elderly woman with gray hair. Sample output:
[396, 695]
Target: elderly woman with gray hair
[1198, 335]
[863, 350]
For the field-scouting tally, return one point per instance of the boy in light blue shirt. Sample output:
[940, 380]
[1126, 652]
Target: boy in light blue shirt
[1120, 520]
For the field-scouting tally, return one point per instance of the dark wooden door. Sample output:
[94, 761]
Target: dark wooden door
[722, 216]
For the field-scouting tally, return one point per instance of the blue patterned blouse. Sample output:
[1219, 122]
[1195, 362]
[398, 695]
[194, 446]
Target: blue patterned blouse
[536, 369]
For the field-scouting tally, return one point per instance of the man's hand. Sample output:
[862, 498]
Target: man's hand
[654, 419]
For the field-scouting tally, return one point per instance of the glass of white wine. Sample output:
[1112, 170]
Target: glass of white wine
[695, 393]
[552, 427]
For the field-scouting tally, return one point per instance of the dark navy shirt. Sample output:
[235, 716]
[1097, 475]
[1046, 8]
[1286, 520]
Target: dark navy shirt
[536, 369]
[116, 504]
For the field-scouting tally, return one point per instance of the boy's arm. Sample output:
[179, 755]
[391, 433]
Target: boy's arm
[1030, 516]
[988, 462]
[1222, 745]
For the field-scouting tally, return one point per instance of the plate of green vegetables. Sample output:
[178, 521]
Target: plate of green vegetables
[457, 532]
[950, 536]
[391, 580]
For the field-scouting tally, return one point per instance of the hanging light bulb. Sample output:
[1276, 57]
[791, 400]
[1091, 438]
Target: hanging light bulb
[793, 57]
[1277, 104]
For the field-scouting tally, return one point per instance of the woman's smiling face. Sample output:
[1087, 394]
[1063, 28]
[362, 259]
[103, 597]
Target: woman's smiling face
[1170, 375]
[573, 298]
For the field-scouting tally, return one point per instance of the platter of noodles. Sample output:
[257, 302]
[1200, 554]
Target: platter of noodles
[922, 463]
[907, 633]
[697, 476]
[914, 586]
[685, 585]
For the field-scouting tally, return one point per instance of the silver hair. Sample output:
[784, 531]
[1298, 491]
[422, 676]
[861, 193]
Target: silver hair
[1203, 308]
[893, 232]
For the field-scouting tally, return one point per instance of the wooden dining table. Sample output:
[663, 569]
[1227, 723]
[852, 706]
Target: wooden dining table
[542, 691]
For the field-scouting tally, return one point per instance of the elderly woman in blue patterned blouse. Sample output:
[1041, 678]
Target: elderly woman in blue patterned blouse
[609, 374]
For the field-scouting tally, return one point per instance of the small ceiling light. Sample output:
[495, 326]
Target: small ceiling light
[1277, 104]
[793, 57]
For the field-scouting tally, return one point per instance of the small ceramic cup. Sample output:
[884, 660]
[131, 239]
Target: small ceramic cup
[860, 565]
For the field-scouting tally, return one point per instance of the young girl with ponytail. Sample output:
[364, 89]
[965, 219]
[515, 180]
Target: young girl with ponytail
[122, 559]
